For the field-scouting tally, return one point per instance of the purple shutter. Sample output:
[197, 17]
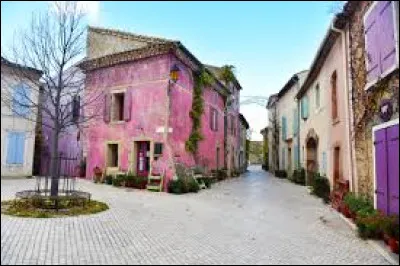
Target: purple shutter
[393, 168]
[386, 35]
[372, 45]
[107, 108]
[128, 106]
[381, 170]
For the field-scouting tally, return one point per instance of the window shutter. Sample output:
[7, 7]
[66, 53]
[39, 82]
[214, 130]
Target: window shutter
[386, 34]
[19, 159]
[295, 122]
[11, 147]
[107, 108]
[372, 45]
[21, 100]
[306, 107]
[128, 106]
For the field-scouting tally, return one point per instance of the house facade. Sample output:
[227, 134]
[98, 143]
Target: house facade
[324, 126]
[17, 132]
[70, 141]
[146, 118]
[288, 119]
[273, 133]
[374, 57]
[243, 128]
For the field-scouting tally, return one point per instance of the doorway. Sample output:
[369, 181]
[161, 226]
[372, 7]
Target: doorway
[143, 158]
[312, 159]
[336, 166]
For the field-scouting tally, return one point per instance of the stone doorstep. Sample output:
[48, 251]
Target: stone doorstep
[378, 245]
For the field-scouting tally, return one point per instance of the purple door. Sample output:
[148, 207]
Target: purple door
[387, 169]
[393, 168]
[381, 170]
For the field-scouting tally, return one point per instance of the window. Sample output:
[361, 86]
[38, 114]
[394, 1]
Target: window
[15, 147]
[380, 40]
[334, 96]
[112, 155]
[158, 149]
[21, 100]
[213, 119]
[76, 101]
[304, 107]
[317, 96]
[118, 106]
[284, 128]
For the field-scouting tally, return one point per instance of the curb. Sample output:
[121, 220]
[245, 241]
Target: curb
[391, 258]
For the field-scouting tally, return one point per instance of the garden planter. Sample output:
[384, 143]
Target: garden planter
[346, 211]
[394, 245]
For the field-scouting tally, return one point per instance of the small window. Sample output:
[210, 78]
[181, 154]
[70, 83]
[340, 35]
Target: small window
[317, 96]
[76, 108]
[118, 106]
[334, 96]
[112, 154]
[158, 149]
[15, 147]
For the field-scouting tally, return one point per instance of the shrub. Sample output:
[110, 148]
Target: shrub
[175, 186]
[321, 187]
[118, 180]
[299, 176]
[208, 182]
[281, 173]
[390, 226]
[360, 205]
[221, 174]
[108, 180]
[193, 186]
[371, 226]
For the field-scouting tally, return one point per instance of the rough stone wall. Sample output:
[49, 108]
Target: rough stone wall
[365, 115]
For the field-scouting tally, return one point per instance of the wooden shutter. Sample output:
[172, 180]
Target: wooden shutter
[381, 170]
[15, 148]
[216, 120]
[128, 105]
[107, 108]
[372, 45]
[386, 32]
[334, 95]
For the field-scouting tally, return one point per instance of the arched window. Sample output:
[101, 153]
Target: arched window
[334, 95]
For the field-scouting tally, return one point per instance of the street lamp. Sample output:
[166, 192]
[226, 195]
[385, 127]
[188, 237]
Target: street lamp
[174, 73]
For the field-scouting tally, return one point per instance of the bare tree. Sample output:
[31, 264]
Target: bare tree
[54, 43]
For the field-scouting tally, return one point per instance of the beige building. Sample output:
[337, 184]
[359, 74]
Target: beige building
[324, 123]
[17, 133]
[287, 113]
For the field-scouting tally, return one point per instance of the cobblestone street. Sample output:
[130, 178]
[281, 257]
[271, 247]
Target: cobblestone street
[254, 219]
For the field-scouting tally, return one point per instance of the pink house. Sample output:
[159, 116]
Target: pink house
[145, 117]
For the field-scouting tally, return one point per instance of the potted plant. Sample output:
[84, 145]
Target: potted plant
[345, 209]
[130, 180]
[391, 233]
[97, 174]
[109, 180]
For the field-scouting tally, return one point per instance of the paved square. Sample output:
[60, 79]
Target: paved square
[254, 219]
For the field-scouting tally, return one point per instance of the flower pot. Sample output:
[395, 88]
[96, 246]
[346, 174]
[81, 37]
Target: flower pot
[394, 245]
[386, 238]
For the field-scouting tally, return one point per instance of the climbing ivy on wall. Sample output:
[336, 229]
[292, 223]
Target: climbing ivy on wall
[201, 80]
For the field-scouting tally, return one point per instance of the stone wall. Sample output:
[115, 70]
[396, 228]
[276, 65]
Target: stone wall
[365, 102]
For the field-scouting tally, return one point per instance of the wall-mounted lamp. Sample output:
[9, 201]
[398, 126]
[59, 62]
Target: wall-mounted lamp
[174, 73]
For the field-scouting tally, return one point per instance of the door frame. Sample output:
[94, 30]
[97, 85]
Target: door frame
[133, 154]
[374, 129]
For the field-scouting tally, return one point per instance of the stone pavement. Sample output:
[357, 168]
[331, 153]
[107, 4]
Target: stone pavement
[254, 219]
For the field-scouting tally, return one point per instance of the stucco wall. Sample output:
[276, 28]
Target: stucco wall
[363, 127]
[10, 122]
[148, 81]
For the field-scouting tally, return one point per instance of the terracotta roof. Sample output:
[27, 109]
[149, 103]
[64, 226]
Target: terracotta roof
[339, 21]
[129, 35]
[272, 100]
[15, 65]
[217, 71]
[244, 121]
[295, 78]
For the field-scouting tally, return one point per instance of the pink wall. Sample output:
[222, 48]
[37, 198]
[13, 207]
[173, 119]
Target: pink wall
[148, 82]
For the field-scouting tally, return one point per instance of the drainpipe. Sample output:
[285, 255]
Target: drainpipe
[348, 111]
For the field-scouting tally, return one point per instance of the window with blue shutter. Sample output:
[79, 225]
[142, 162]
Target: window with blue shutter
[295, 122]
[15, 148]
[304, 107]
[284, 128]
[21, 100]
